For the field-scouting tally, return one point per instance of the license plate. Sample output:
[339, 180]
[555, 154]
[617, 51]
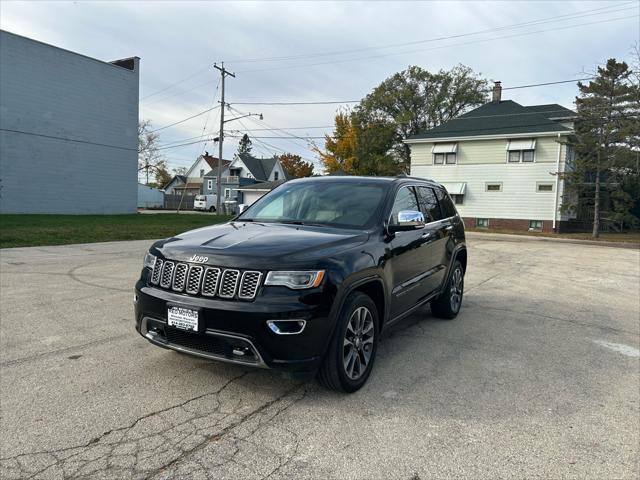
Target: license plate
[183, 318]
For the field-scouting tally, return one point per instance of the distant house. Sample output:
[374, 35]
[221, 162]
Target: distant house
[176, 181]
[242, 172]
[195, 176]
[73, 117]
[251, 193]
[502, 163]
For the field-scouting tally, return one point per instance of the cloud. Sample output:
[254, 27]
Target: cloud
[176, 39]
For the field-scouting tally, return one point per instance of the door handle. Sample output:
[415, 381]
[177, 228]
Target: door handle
[449, 228]
[427, 235]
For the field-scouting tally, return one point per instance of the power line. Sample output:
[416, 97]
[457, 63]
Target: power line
[438, 47]
[66, 139]
[178, 82]
[549, 83]
[571, 16]
[185, 119]
[320, 102]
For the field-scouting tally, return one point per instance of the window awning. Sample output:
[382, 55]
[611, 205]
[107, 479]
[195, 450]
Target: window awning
[455, 188]
[444, 148]
[528, 144]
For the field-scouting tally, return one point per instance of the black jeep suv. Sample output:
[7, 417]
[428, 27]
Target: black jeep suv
[307, 278]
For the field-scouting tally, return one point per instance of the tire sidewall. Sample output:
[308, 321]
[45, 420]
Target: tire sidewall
[354, 301]
[456, 266]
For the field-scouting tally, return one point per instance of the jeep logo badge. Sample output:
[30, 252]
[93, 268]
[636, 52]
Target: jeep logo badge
[198, 259]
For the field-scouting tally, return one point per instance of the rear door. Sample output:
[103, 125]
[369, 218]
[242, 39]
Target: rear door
[450, 221]
[437, 230]
[409, 259]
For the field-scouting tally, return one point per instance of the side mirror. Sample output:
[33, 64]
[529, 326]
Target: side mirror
[242, 207]
[407, 220]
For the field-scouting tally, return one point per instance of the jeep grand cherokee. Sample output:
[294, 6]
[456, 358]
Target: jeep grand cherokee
[307, 278]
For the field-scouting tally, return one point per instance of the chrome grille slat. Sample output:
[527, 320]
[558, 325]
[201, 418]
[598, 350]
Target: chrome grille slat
[210, 281]
[228, 283]
[180, 277]
[249, 285]
[195, 275]
[157, 270]
[167, 274]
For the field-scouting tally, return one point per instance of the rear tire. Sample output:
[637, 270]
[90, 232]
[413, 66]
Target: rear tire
[448, 304]
[352, 351]
[212, 209]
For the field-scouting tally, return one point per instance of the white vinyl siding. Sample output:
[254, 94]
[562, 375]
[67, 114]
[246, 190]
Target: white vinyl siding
[518, 198]
[473, 152]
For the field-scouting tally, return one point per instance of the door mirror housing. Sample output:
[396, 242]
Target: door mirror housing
[407, 220]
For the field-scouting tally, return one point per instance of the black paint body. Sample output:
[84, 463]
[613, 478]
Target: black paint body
[400, 271]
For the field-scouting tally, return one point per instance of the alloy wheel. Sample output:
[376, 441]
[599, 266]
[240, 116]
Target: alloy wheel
[358, 343]
[456, 289]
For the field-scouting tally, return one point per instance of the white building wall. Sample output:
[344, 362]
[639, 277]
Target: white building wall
[68, 131]
[484, 161]
[276, 168]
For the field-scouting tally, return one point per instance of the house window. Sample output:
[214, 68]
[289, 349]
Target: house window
[444, 153]
[227, 193]
[521, 151]
[444, 158]
[201, 173]
[535, 225]
[493, 187]
[544, 187]
[275, 175]
[457, 199]
[482, 223]
[210, 184]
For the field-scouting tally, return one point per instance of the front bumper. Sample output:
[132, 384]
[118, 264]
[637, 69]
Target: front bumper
[239, 331]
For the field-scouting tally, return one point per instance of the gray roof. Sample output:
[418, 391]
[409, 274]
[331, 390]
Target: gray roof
[501, 118]
[260, 168]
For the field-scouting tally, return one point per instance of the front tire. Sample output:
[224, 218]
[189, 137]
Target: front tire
[212, 209]
[352, 351]
[448, 304]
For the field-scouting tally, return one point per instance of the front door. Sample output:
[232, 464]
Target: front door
[409, 259]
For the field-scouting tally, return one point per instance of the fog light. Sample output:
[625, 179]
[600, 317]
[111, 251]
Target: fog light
[287, 327]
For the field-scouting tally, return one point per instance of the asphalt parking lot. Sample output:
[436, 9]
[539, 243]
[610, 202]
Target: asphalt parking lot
[539, 376]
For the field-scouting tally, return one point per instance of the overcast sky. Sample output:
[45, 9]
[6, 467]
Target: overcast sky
[333, 51]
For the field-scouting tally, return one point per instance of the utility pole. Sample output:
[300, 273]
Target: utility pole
[224, 73]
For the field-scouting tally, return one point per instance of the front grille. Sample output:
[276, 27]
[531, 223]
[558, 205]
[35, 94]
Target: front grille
[229, 283]
[219, 346]
[180, 277]
[195, 275]
[167, 274]
[249, 285]
[157, 270]
[206, 281]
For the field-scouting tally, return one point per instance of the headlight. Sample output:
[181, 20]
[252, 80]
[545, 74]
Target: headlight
[149, 261]
[296, 280]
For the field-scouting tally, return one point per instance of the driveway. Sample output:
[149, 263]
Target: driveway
[539, 376]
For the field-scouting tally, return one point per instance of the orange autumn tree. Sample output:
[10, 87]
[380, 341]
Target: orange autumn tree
[295, 166]
[341, 147]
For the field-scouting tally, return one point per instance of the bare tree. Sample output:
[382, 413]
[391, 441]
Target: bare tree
[150, 160]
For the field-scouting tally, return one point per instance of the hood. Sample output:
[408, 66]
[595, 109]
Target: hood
[242, 244]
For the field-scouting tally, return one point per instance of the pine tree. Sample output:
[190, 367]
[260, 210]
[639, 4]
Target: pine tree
[245, 145]
[607, 128]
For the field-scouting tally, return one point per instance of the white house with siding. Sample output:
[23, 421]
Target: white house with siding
[502, 163]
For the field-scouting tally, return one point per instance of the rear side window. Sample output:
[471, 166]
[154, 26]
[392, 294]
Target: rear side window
[429, 204]
[448, 209]
[405, 200]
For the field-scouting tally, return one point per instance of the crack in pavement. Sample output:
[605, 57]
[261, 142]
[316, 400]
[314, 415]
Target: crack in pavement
[146, 445]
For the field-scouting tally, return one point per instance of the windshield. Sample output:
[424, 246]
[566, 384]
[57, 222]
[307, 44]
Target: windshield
[343, 204]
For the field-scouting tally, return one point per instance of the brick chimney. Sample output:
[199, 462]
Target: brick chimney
[496, 92]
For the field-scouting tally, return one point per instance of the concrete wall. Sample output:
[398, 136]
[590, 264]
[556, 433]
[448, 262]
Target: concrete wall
[68, 131]
[149, 197]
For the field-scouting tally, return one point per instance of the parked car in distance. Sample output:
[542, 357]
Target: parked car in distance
[206, 203]
[307, 278]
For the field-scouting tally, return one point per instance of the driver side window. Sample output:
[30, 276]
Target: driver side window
[405, 200]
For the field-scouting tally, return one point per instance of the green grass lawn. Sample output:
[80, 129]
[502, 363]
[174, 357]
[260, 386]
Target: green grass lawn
[629, 237]
[37, 230]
